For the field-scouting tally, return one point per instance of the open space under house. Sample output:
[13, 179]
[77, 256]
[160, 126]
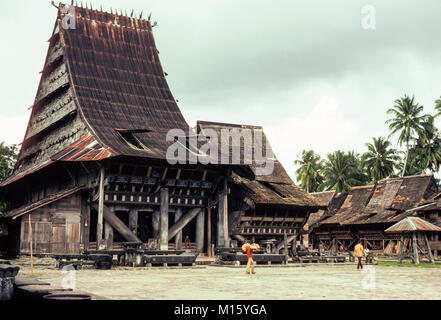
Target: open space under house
[92, 169]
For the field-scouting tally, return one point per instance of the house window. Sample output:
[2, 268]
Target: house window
[131, 139]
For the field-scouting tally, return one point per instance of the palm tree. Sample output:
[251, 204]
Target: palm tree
[438, 107]
[430, 152]
[308, 174]
[380, 159]
[407, 120]
[342, 171]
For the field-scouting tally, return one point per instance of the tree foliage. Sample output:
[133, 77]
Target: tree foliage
[342, 170]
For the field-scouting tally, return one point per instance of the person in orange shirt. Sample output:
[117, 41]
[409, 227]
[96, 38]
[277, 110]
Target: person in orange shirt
[249, 249]
[359, 253]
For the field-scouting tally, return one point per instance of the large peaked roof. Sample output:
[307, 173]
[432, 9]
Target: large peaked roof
[102, 82]
[119, 82]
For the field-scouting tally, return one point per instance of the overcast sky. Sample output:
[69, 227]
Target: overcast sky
[305, 70]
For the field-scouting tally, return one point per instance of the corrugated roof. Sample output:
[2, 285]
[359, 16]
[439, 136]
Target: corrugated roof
[412, 224]
[85, 149]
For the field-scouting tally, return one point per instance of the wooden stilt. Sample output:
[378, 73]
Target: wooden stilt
[209, 230]
[178, 237]
[416, 259]
[178, 226]
[99, 227]
[30, 244]
[200, 231]
[400, 256]
[108, 232]
[163, 228]
[429, 251]
[133, 220]
[155, 223]
[220, 236]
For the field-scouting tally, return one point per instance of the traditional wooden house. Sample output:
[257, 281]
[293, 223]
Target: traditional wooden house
[270, 206]
[93, 171]
[333, 202]
[368, 211]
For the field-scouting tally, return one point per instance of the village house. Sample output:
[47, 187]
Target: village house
[92, 171]
[366, 212]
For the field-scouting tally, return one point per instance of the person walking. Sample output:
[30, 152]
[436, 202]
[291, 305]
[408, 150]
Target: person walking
[249, 250]
[359, 252]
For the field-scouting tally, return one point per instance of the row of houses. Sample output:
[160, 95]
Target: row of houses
[93, 171]
[364, 213]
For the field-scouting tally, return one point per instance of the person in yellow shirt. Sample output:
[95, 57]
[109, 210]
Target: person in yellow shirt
[359, 253]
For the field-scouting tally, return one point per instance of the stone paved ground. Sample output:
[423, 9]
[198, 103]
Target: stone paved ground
[307, 282]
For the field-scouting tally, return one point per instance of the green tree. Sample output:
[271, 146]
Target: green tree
[438, 107]
[8, 156]
[308, 174]
[380, 159]
[408, 121]
[343, 171]
[428, 150]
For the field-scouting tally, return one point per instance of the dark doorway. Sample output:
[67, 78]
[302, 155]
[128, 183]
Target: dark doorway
[145, 229]
[92, 225]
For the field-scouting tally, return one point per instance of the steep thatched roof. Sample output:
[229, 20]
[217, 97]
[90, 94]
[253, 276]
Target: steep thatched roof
[325, 198]
[276, 194]
[119, 82]
[275, 188]
[354, 203]
[389, 201]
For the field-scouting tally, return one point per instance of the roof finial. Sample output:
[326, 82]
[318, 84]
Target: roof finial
[111, 11]
[81, 4]
[140, 16]
[53, 3]
[125, 13]
[101, 8]
[71, 2]
[150, 16]
[131, 14]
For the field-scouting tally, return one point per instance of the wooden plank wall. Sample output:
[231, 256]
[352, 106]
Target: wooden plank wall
[56, 228]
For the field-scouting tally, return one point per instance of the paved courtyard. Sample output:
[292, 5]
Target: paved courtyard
[275, 283]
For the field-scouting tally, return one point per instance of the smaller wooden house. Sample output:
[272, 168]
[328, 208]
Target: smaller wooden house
[367, 211]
